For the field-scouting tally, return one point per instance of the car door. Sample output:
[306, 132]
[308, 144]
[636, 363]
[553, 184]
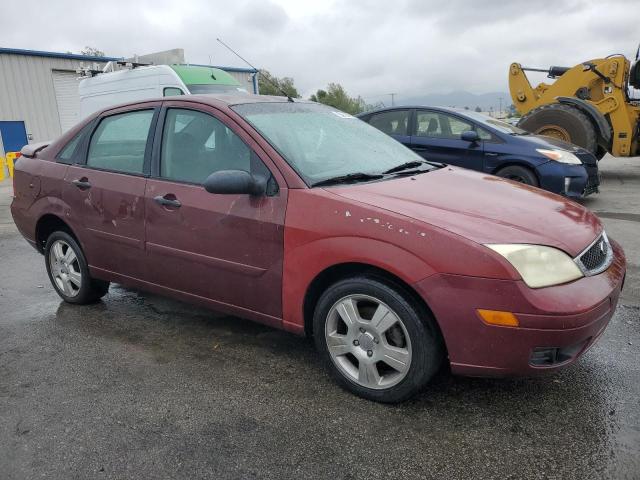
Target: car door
[395, 123]
[105, 191]
[436, 137]
[224, 248]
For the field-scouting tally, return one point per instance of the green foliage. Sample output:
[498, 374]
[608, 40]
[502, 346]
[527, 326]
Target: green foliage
[478, 109]
[266, 85]
[93, 52]
[336, 96]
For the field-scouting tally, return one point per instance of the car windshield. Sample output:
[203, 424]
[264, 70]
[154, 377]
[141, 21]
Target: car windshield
[320, 142]
[496, 124]
[198, 89]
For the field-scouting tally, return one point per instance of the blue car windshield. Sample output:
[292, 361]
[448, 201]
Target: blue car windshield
[321, 142]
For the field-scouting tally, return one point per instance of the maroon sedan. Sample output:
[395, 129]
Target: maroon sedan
[302, 217]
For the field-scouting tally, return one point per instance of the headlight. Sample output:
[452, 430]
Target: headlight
[561, 156]
[539, 266]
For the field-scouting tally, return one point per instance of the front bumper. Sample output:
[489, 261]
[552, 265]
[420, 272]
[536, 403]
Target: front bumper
[557, 324]
[574, 181]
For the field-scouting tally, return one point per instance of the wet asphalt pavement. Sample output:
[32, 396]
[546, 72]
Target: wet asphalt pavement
[139, 386]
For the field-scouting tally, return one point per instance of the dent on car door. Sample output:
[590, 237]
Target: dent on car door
[106, 191]
[224, 248]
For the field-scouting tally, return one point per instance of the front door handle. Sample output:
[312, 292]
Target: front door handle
[82, 184]
[168, 200]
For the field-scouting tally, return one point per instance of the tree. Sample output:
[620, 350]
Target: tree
[271, 85]
[478, 109]
[336, 96]
[91, 52]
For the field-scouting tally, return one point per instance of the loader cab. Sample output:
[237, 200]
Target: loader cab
[634, 72]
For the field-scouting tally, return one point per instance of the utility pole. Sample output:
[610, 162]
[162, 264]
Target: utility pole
[393, 95]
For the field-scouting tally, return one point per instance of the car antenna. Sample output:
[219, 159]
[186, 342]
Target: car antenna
[267, 78]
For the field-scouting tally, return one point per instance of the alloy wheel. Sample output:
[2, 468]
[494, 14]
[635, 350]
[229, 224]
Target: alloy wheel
[368, 342]
[65, 268]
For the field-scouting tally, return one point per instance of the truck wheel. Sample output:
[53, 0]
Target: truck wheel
[69, 272]
[376, 341]
[562, 122]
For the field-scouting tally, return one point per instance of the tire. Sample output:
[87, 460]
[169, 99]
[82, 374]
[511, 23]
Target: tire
[68, 271]
[384, 358]
[519, 174]
[562, 122]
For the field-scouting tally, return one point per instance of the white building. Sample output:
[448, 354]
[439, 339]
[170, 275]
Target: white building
[39, 91]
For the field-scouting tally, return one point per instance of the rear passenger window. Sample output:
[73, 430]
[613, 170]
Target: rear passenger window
[195, 144]
[395, 122]
[120, 141]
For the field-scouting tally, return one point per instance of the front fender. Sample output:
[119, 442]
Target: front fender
[305, 262]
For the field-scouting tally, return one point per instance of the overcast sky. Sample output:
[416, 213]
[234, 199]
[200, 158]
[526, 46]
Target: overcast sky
[410, 47]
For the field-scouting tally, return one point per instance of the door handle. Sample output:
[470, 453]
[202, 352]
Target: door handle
[167, 202]
[82, 184]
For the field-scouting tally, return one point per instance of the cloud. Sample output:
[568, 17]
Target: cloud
[409, 47]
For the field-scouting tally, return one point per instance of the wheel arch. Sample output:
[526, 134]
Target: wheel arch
[603, 129]
[516, 163]
[341, 271]
[46, 225]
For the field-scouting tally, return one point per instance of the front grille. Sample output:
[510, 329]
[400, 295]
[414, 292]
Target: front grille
[597, 257]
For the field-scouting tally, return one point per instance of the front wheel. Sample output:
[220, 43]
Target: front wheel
[69, 272]
[376, 341]
[519, 174]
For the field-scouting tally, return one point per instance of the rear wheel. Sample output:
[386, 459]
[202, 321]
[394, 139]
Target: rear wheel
[519, 174]
[375, 340]
[69, 272]
[562, 122]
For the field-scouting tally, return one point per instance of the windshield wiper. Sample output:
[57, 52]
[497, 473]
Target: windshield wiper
[351, 177]
[404, 166]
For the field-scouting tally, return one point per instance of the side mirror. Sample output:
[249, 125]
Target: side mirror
[235, 182]
[469, 136]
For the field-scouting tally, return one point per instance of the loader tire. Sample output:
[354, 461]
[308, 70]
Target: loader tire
[562, 122]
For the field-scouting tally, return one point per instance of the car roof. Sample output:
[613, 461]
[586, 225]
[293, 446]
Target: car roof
[216, 100]
[408, 107]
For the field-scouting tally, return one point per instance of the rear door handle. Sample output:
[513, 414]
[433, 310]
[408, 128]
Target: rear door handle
[167, 202]
[82, 184]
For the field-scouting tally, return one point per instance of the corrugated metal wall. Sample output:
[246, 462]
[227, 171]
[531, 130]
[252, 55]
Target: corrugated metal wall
[245, 79]
[27, 92]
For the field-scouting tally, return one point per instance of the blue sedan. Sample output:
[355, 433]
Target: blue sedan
[479, 142]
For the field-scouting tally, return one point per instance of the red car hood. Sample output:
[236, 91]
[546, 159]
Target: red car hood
[482, 208]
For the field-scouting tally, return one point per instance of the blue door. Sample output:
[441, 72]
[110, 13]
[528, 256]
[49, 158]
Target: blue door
[14, 136]
[437, 137]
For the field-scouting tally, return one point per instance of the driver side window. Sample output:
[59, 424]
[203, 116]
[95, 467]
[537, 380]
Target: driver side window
[196, 144]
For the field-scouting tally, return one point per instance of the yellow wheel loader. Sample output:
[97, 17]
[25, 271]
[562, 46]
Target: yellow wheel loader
[591, 104]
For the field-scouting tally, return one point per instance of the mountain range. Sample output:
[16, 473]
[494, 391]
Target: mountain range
[460, 99]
